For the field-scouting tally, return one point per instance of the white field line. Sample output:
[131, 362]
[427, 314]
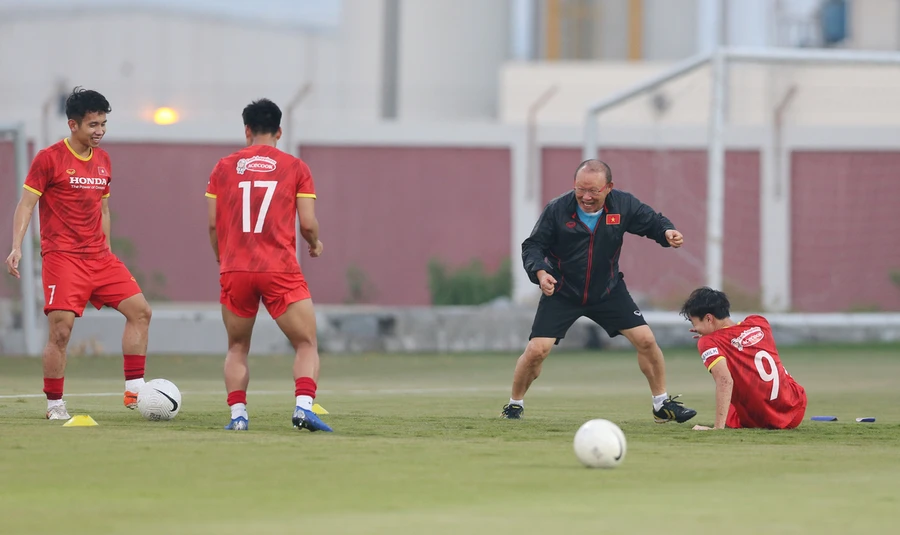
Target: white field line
[355, 392]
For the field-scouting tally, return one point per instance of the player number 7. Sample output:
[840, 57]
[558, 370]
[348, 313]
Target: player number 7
[770, 376]
[264, 209]
[52, 292]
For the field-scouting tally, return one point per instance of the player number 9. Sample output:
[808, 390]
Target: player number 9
[769, 377]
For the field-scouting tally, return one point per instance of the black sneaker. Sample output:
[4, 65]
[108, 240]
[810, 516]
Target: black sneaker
[512, 411]
[673, 410]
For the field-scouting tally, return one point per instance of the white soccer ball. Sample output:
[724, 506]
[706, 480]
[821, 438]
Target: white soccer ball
[159, 399]
[600, 444]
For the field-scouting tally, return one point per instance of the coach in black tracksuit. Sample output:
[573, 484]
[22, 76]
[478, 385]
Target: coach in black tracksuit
[573, 255]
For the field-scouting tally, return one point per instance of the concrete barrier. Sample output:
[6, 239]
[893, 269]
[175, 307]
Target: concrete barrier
[197, 329]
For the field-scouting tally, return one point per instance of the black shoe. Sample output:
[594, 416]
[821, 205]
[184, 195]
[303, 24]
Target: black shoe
[673, 410]
[512, 411]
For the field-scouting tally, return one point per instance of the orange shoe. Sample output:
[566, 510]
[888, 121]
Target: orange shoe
[130, 399]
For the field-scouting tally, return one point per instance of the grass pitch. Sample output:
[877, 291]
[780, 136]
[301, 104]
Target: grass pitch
[419, 448]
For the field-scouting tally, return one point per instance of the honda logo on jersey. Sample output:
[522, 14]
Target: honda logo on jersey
[257, 164]
[83, 182]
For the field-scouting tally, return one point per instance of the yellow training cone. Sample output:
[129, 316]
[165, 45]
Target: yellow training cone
[317, 409]
[81, 420]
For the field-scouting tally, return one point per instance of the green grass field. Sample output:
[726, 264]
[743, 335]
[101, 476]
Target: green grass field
[419, 448]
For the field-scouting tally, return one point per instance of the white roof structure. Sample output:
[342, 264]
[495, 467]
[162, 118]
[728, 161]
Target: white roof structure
[310, 15]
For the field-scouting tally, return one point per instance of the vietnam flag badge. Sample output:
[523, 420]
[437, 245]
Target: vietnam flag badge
[613, 219]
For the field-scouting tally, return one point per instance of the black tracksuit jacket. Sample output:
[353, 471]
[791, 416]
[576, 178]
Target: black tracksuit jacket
[585, 264]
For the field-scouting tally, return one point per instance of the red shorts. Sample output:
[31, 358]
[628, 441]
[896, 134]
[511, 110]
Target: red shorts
[71, 281]
[788, 420]
[242, 290]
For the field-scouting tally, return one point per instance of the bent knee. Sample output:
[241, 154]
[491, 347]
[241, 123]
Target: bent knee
[538, 348]
[60, 332]
[648, 345]
[645, 341]
[136, 312]
[144, 313]
[305, 342]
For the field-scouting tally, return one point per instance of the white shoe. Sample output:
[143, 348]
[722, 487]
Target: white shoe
[58, 412]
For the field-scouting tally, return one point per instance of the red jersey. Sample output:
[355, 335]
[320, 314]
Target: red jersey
[256, 191]
[764, 394]
[71, 188]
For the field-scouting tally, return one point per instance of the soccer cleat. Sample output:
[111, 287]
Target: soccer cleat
[130, 399]
[307, 419]
[512, 411]
[672, 410]
[58, 412]
[238, 424]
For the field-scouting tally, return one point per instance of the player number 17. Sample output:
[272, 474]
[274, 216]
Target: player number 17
[768, 376]
[246, 185]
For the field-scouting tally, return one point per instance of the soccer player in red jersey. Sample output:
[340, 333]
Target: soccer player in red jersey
[70, 180]
[254, 197]
[753, 390]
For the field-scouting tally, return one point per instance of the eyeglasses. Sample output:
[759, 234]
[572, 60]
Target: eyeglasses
[593, 192]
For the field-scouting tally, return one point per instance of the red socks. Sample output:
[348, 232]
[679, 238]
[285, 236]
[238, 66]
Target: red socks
[54, 387]
[305, 386]
[238, 396]
[134, 366]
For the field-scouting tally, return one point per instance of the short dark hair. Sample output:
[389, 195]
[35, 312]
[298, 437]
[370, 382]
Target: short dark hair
[262, 116]
[84, 101]
[705, 301]
[595, 166]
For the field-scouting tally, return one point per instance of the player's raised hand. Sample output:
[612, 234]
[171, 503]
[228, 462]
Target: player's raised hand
[12, 262]
[675, 238]
[316, 251]
[548, 283]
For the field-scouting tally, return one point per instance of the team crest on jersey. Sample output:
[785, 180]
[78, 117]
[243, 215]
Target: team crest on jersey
[750, 337]
[101, 171]
[257, 164]
[70, 171]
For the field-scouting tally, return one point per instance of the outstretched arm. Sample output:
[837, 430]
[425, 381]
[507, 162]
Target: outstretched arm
[645, 221]
[21, 219]
[724, 387]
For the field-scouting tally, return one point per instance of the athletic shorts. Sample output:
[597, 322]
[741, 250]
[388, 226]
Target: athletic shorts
[242, 291]
[555, 314]
[71, 281]
[768, 420]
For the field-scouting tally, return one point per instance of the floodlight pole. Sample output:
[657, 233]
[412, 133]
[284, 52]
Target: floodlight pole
[715, 174]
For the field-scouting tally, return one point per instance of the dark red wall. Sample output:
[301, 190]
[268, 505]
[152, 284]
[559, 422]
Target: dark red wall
[845, 229]
[389, 210]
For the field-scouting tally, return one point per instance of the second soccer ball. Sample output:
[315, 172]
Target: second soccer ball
[600, 443]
